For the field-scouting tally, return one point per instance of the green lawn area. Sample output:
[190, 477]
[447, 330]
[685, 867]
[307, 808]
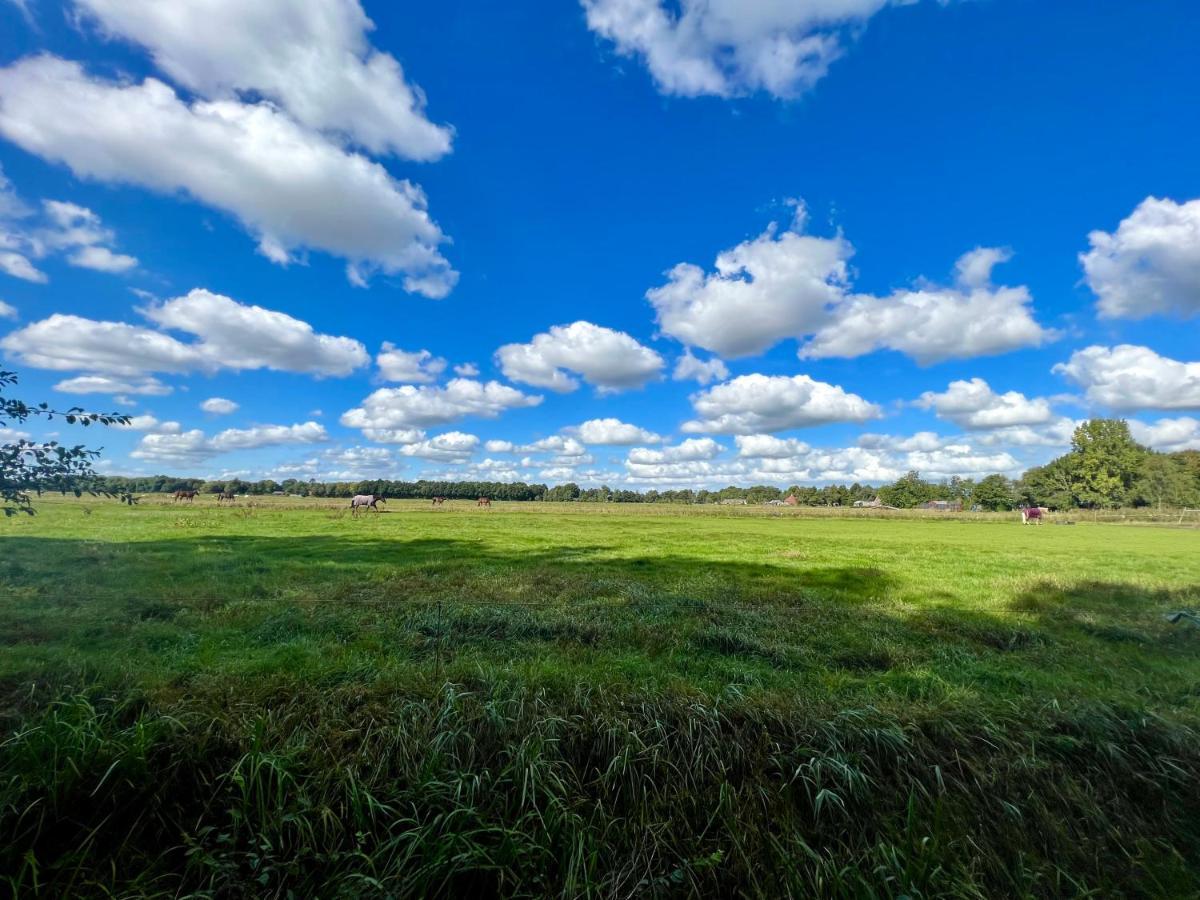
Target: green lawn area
[571, 700]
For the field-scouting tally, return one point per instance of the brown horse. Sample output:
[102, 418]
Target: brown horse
[226, 495]
[189, 496]
[438, 501]
[485, 501]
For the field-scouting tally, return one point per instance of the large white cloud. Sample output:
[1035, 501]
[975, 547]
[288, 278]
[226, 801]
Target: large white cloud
[612, 432]
[1150, 264]
[311, 56]
[932, 324]
[451, 446]
[229, 334]
[973, 404]
[1129, 377]
[731, 47]
[195, 446]
[65, 342]
[410, 406]
[1168, 435]
[754, 404]
[237, 336]
[608, 359]
[412, 367]
[762, 291]
[289, 186]
[690, 449]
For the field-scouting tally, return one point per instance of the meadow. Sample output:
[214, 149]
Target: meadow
[277, 699]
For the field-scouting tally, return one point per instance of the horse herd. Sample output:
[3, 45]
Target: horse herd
[358, 503]
[362, 502]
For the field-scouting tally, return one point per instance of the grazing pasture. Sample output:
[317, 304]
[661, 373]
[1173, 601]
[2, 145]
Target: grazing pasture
[281, 699]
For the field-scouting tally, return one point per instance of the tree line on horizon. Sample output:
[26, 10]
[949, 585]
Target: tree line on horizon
[1104, 469]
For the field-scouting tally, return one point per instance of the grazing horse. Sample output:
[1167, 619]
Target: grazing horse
[226, 495]
[485, 501]
[1031, 514]
[189, 496]
[365, 501]
[438, 501]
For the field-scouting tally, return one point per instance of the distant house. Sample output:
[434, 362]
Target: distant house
[791, 500]
[873, 503]
[943, 505]
[775, 503]
[733, 501]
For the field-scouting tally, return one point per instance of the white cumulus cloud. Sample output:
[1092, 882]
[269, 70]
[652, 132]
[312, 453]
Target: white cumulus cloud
[416, 367]
[451, 446]
[312, 57]
[218, 406]
[932, 324]
[229, 335]
[608, 359]
[973, 404]
[195, 446]
[291, 187]
[62, 228]
[691, 368]
[728, 48]
[411, 406]
[754, 404]
[612, 432]
[1168, 435]
[1128, 377]
[1150, 264]
[776, 286]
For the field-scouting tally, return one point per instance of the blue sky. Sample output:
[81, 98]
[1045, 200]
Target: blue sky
[879, 236]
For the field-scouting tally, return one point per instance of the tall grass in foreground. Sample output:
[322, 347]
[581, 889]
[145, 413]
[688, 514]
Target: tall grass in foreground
[269, 789]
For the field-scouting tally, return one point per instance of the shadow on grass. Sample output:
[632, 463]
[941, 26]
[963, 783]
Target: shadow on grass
[287, 750]
[709, 622]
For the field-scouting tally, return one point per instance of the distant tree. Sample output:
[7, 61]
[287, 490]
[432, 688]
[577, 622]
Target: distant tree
[1164, 481]
[994, 493]
[961, 488]
[28, 468]
[1050, 485]
[560, 492]
[908, 491]
[1105, 461]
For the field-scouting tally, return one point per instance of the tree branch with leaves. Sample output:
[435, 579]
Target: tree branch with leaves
[29, 468]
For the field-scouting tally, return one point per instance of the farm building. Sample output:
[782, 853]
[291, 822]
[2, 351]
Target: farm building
[873, 503]
[791, 500]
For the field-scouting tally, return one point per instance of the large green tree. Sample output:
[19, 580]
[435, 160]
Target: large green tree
[27, 468]
[1106, 462]
[1050, 485]
[911, 490]
[994, 493]
[1165, 481]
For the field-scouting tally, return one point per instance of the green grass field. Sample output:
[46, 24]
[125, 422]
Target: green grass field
[573, 700]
